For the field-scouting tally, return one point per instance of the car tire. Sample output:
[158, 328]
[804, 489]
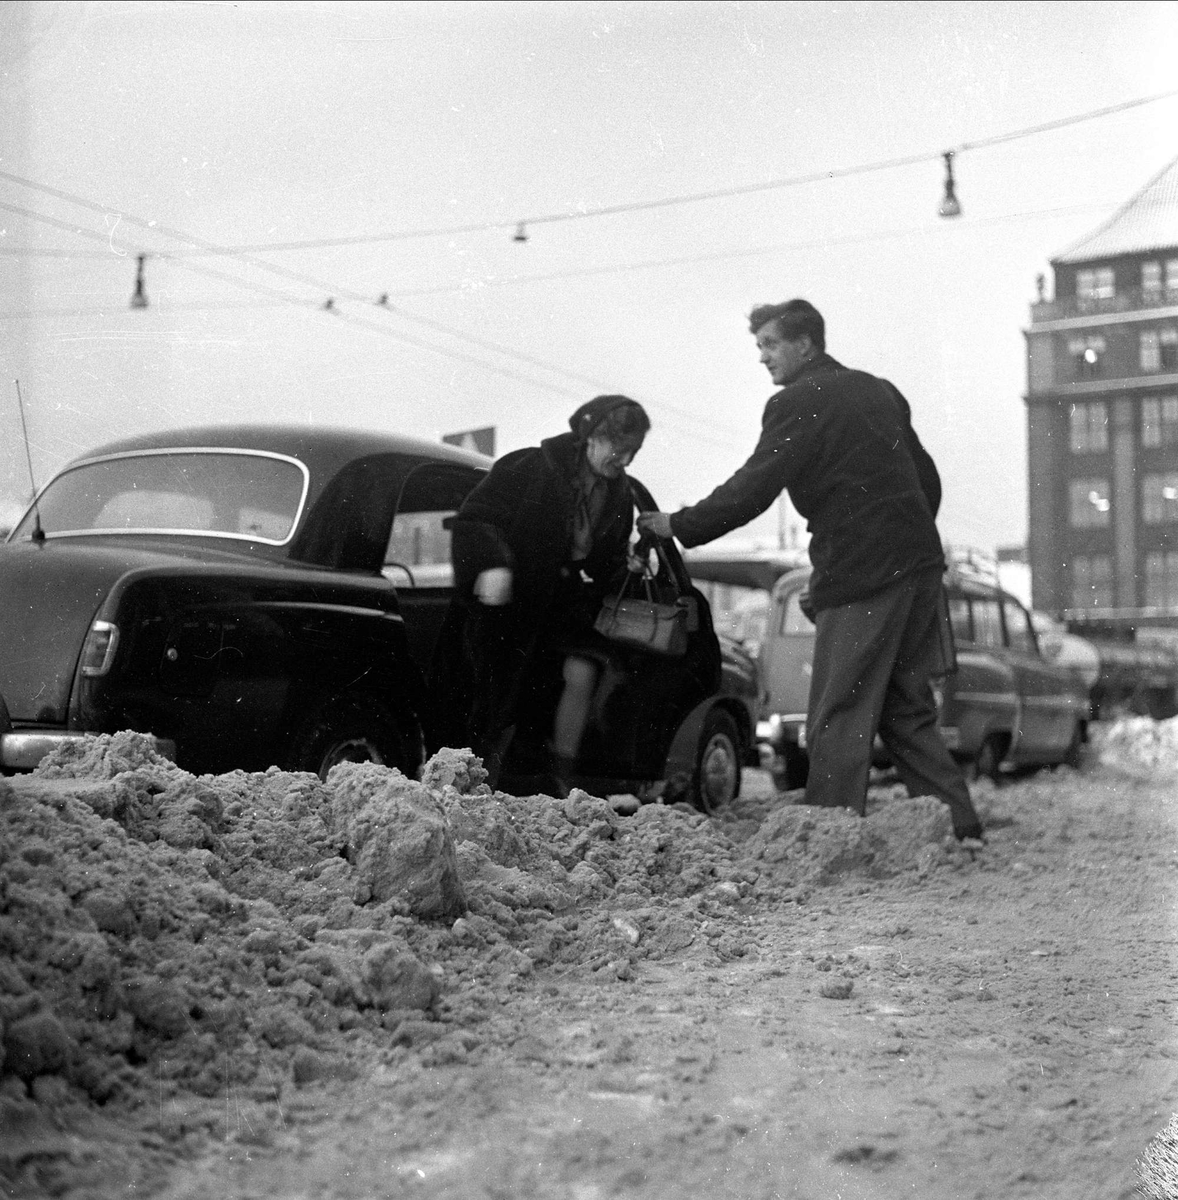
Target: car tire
[355, 728]
[716, 779]
[987, 763]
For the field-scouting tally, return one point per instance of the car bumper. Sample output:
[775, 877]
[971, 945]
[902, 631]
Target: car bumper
[23, 749]
[780, 729]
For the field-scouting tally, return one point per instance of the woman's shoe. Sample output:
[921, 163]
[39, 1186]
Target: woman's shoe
[561, 772]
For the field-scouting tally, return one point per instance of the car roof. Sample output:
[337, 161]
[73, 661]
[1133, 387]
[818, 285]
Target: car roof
[965, 583]
[304, 442]
[754, 569]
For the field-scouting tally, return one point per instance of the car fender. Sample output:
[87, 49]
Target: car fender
[684, 746]
[981, 699]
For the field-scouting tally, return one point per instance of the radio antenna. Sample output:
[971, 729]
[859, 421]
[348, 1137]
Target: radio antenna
[38, 532]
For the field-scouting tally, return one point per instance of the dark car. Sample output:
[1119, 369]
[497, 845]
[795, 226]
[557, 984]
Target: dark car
[1006, 706]
[261, 595]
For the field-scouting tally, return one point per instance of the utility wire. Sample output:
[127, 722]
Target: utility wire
[666, 201]
[746, 252]
[352, 319]
[320, 285]
[332, 291]
[295, 301]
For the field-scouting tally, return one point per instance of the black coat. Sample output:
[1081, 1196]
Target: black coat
[842, 443]
[520, 517]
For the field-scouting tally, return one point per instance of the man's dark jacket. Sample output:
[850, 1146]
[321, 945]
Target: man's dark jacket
[842, 443]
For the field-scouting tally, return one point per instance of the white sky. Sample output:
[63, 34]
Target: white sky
[254, 123]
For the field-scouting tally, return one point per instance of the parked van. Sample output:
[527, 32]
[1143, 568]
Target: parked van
[1006, 706]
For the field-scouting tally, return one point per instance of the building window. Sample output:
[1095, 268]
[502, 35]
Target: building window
[1090, 504]
[1155, 276]
[1159, 348]
[1159, 498]
[1161, 580]
[1159, 421]
[1151, 350]
[1089, 427]
[1087, 355]
[1092, 581]
[1095, 284]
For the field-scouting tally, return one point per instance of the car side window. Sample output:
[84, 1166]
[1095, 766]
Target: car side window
[959, 618]
[793, 620]
[1018, 627]
[420, 536]
[987, 621]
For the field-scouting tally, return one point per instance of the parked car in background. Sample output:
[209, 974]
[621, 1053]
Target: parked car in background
[261, 595]
[1067, 650]
[1006, 706]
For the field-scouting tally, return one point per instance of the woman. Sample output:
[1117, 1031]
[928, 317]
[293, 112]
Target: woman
[536, 547]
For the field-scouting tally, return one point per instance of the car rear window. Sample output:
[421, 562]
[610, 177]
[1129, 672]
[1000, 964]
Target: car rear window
[248, 495]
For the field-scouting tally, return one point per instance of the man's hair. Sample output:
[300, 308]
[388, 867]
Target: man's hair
[794, 318]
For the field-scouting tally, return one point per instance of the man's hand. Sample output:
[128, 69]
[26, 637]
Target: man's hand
[656, 523]
[493, 587]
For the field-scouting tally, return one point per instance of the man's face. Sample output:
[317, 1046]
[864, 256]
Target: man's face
[783, 358]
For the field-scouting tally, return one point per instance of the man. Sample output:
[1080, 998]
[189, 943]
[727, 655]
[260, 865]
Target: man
[842, 443]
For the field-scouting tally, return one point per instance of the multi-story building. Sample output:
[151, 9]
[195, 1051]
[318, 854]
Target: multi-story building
[1102, 422]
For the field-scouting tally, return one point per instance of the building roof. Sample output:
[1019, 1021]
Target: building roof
[1149, 221]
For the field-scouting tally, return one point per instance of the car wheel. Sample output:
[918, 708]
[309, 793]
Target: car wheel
[717, 765]
[988, 760]
[355, 729]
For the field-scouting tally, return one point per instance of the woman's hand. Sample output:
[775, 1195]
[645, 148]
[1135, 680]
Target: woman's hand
[657, 523]
[493, 587]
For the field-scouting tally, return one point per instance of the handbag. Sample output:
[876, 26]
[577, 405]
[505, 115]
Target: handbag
[643, 621]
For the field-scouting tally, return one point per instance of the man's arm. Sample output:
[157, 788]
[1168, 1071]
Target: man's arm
[753, 487]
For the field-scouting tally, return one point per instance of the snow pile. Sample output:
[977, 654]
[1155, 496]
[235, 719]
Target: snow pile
[165, 935]
[1141, 745]
[166, 931]
[808, 844]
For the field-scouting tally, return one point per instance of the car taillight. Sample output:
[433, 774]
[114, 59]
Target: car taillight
[99, 651]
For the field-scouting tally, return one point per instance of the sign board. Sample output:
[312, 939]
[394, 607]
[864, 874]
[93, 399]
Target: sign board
[480, 440]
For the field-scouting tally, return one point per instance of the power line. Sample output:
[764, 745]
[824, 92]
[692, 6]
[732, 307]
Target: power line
[285, 298]
[206, 248]
[320, 285]
[288, 299]
[746, 252]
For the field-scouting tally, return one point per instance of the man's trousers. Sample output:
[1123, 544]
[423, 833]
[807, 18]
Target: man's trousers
[873, 662]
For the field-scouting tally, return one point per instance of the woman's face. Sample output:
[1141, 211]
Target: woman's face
[609, 458]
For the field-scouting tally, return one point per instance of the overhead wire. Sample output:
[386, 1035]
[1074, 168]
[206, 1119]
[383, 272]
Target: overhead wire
[325, 288]
[745, 252]
[584, 213]
[243, 253]
[353, 319]
[333, 291]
